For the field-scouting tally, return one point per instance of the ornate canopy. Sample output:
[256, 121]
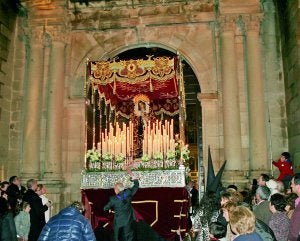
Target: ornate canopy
[118, 82]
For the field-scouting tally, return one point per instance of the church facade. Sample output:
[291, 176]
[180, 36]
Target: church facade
[244, 55]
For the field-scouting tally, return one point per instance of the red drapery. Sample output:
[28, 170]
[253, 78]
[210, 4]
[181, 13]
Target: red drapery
[165, 209]
[119, 82]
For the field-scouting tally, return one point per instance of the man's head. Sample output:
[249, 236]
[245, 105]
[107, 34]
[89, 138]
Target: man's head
[295, 184]
[32, 184]
[15, 180]
[263, 178]
[78, 205]
[262, 193]
[119, 187]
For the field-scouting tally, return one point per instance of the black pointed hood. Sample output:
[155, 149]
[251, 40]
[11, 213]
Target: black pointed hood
[213, 187]
[210, 170]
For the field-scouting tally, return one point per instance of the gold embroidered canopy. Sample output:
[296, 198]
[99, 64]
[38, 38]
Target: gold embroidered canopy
[118, 82]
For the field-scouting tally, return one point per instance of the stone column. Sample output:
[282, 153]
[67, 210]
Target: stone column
[32, 107]
[230, 96]
[257, 112]
[210, 125]
[274, 85]
[55, 107]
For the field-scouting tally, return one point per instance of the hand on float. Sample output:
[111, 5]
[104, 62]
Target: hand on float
[128, 168]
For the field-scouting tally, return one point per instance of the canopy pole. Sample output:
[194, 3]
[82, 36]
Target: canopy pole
[182, 104]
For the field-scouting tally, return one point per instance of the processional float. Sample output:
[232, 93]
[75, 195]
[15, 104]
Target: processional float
[135, 113]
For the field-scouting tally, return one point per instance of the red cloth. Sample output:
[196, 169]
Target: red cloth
[155, 206]
[285, 169]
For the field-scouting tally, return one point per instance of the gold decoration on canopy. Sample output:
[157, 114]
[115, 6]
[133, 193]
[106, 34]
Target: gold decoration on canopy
[132, 71]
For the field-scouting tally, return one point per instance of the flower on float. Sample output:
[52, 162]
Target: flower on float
[145, 158]
[185, 152]
[120, 158]
[171, 155]
[158, 156]
[107, 157]
[93, 155]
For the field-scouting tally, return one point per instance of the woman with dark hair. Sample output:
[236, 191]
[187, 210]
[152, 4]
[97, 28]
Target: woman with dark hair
[279, 221]
[8, 227]
[290, 204]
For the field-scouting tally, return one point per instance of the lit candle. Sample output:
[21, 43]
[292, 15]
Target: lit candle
[172, 129]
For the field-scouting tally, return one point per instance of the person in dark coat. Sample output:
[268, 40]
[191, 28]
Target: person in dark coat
[68, 225]
[7, 225]
[15, 192]
[37, 212]
[124, 213]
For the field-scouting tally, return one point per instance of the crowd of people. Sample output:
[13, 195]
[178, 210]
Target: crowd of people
[268, 210]
[25, 215]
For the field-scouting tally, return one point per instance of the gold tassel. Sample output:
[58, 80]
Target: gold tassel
[114, 90]
[151, 87]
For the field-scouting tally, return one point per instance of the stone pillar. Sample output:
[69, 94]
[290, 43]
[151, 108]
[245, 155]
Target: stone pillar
[210, 125]
[32, 107]
[257, 112]
[275, 97]
[55, 107]
[230, 96]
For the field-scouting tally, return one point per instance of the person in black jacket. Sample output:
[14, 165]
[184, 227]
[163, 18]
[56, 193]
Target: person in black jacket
[37, 212]
[15, 192]
[124, 214]
[7, 225]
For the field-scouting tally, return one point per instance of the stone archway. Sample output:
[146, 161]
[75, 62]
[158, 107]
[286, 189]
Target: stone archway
[200, 60]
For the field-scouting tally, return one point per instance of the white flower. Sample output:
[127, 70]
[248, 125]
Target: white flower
[145, 158]
[93, 155]
[107, 157]
[158, 156]
[120, 158]
[185, 153]
[170, 155]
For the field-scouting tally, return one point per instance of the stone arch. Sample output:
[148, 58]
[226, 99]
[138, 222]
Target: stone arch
[200, 54]
[200, 59]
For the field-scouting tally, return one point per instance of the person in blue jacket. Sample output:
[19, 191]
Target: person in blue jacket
[68, 225]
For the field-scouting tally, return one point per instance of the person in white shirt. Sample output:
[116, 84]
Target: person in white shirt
[41, 191]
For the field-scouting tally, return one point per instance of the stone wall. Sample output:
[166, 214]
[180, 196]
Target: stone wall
[44, 130]
[8, 14]
[289, 22]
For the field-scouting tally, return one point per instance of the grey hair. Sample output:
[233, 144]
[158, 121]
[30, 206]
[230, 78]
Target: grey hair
[263, 192]
[120, 186]
[30, 182]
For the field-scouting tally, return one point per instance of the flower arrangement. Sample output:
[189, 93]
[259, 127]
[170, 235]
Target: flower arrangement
[107, 157]
[120, 158]
[158, 156]
[145, 158]
[171, 155]
[185, 153]
[93, 155]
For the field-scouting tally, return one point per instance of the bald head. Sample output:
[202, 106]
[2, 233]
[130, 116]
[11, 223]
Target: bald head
[119, 187]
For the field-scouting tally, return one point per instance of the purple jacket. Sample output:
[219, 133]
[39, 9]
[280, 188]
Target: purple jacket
[295, 224]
